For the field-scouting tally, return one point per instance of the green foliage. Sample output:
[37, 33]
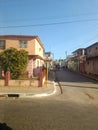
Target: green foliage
[75, 65]
[15, 61]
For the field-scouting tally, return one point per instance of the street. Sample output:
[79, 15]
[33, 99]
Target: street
[77, 88]
[75, 109]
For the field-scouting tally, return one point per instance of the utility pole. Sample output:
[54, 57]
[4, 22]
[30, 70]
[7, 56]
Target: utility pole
[66, 54]
[46, 73]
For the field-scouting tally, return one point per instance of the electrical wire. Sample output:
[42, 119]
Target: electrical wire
[50, 24]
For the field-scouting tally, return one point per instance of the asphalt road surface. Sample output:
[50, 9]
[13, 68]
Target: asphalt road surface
[75, 109]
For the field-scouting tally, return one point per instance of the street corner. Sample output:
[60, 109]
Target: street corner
[46, 91]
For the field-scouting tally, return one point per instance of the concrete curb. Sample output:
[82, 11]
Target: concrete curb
[30, 95]
[40, 95]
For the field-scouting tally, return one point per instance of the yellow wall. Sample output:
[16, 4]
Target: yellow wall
[38, 49]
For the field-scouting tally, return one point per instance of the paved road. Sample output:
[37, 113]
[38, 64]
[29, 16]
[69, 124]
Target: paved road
[68, 76]
[78, 88]
[75, 109]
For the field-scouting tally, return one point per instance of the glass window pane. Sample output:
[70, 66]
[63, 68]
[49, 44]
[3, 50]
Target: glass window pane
[2, 44]
[22, 44]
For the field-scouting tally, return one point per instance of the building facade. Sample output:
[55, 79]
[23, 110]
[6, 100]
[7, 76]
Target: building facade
[79, 60]
[91, 65]
[31, 44]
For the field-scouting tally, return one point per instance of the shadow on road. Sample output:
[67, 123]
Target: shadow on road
[3, 126]
[68, 76]
[66, 85]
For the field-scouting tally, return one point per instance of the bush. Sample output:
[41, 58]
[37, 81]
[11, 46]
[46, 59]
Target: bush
[15, 61]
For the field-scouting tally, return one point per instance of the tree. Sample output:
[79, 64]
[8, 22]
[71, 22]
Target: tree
[15, 61]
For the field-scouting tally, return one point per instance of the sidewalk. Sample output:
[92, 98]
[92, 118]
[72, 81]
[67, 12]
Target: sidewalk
[8, 91]
[90, 76]
[48, 89]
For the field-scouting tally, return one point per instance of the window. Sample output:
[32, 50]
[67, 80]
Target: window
[90, 51]
[39, 49]
[22, 44]
[37, 63]
[2, 44]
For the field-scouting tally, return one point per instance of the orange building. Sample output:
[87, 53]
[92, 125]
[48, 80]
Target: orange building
[32, 44]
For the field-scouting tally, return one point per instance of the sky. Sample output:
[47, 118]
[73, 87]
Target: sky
[62, 25]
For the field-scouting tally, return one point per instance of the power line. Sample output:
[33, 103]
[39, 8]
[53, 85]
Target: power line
[50, 24]
[85, 43]
[53, 17]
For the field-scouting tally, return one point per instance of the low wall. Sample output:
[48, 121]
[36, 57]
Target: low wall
[42, 78]
[2, 82]
[33, 83]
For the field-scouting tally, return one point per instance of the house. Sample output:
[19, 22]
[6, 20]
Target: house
[69, 62]
[87, 59]
[80, 58]
[79, 52]
[91, 65]
[62, 63]
[32, 44]
[49, 60]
